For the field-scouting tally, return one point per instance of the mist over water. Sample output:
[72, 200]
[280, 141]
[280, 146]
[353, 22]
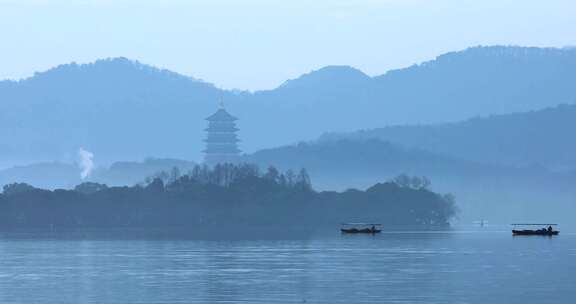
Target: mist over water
[468, 265]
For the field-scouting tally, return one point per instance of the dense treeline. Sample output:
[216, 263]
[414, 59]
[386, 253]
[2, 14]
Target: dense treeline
[220, 198]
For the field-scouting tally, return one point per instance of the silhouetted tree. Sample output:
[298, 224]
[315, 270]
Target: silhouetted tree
[402, 180]
[90, 187]
[272, 175]
[303, 181]
[174, 174]
[16, 188]
[413, 182]
[157, 185]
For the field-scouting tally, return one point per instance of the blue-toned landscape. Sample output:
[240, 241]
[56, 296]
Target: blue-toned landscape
[331, 151]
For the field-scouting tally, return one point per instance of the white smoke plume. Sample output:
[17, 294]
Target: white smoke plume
[86, 162]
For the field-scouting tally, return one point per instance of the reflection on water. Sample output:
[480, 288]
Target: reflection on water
[448, 267]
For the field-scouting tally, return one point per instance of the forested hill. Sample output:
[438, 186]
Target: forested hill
[227, 198]
[121, 109]
[536, 138]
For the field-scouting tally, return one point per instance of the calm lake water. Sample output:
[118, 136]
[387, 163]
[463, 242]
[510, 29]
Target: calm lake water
[403, 267]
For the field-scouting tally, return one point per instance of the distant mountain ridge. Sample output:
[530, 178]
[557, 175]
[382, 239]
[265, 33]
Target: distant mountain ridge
[330, 76]
[535, 138]
[100, 68]
[121, 109]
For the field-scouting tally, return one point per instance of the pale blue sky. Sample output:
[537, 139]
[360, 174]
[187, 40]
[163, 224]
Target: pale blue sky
[256, 44]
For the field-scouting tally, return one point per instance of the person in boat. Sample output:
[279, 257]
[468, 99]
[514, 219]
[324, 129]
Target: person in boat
[373, 229]
[550, 229]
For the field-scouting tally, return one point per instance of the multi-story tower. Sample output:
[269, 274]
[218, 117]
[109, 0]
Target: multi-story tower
[222, 141]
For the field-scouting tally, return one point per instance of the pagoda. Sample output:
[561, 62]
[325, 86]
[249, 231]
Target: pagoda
[222, 141]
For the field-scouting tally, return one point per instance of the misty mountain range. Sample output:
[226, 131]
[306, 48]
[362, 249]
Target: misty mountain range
[122, 109]
[540, 138]
[489, 124]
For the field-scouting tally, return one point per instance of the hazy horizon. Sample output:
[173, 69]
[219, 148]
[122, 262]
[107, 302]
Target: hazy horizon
[223, 42]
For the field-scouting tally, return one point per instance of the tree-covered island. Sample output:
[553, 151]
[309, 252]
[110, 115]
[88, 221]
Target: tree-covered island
[223, 197]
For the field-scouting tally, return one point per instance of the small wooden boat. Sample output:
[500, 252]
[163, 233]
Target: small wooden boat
[549, 231]
[366, 228]
[534, 232]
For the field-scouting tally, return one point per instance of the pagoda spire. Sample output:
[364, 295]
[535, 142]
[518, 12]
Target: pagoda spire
[221, 103]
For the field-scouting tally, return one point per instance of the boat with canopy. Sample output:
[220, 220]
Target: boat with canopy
[545, 229]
